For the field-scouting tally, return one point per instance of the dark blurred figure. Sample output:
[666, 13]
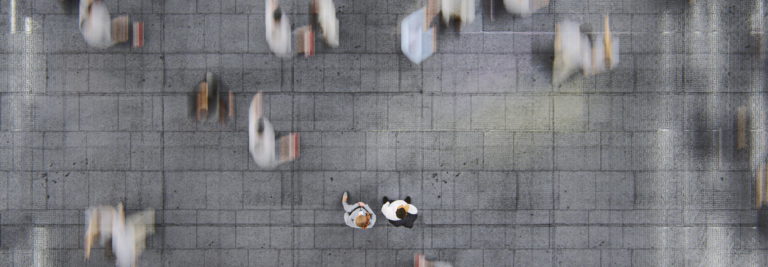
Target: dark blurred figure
[100, 31]
[325, 12]
[211, 100]
[68, 5]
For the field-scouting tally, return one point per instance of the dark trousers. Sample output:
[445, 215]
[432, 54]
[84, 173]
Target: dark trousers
[407, 221]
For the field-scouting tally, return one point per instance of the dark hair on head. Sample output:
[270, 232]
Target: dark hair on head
[278, 14]
[260, 128]
[400, 213]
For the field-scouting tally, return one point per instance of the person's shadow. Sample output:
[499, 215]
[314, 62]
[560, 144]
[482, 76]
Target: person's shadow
[69, 5]
[762, 224]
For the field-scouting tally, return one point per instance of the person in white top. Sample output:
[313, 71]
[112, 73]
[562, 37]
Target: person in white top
[463, 11]
[399, 212]
[278, 29]
[262, 141]
[359, 215]
[129, 235]
[575, 50]
[95, 23]
[329, 24]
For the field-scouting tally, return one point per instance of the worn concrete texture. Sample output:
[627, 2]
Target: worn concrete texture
[636, 167]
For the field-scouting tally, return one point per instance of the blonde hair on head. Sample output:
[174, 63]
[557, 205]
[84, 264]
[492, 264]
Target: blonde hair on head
[363, 221]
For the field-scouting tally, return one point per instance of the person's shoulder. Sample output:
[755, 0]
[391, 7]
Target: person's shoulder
[412, 208]
[399, 202]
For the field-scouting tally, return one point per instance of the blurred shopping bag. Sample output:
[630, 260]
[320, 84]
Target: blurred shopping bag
[417, 41]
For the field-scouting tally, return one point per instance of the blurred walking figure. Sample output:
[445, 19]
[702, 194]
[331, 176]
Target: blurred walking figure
[419, 260]
[129, 235]
[262, 139]
[461, 12]
[576, 50]
[399, 212]
[524, 7]
[359, 215]
[211, 99]
[278, 29]
[101, 32]
[326, 18]
[97, 28]
[98, 224]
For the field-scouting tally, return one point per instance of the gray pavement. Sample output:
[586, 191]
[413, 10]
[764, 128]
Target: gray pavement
[636, 167]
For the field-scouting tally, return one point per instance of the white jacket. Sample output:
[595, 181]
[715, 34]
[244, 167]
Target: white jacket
[326, 16]
[129, 235]
[96, 27]
[278, 33]
[389, 209]
[262, 146]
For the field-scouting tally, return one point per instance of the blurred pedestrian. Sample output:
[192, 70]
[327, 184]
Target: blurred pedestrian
[129, 235]
[98, 225]
[278, 29]
[359, 215]
[576, 50]
[267, 150]
[98, 29]
[460, 12]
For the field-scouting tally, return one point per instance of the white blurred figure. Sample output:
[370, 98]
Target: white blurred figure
[262, 141]
[98, 224]
[329, 24]
[524, 7]
[261, 135]
[95, 23]
[461, 10]
[567, 57]
[278, 29]
[575, 51]
[129, 235]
